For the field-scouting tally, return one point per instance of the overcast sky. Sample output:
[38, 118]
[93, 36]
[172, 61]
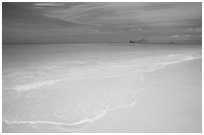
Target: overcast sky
[102, 22]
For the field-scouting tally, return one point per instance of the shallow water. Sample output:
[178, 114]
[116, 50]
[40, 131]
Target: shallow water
[74, 84]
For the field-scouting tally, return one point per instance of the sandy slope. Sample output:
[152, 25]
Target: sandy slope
[170, 103]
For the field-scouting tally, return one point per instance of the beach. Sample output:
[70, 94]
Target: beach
[102, 88]
[171, 103]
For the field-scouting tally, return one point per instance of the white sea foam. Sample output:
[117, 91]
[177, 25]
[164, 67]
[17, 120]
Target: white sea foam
[30, 86]
[107, 70]
[171, 59]
[84, 120]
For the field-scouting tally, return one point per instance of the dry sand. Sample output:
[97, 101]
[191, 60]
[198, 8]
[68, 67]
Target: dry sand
[171, 102]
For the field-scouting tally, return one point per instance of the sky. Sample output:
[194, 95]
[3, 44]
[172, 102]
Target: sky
[52, 22]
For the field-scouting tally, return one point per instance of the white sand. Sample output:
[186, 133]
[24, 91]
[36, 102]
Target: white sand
[64, 90]
[170, 103]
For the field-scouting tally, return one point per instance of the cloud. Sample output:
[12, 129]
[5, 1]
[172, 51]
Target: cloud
[49, 4]
[125, 20]
[130, 14]
[185, 36]
[98, 13]
[175, 36]
[199, 29]
[135, 29]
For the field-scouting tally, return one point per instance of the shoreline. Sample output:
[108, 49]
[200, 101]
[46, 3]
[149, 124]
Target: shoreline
[169, 67]
[156, 106]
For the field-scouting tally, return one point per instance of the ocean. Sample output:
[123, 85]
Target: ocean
[65, 87]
